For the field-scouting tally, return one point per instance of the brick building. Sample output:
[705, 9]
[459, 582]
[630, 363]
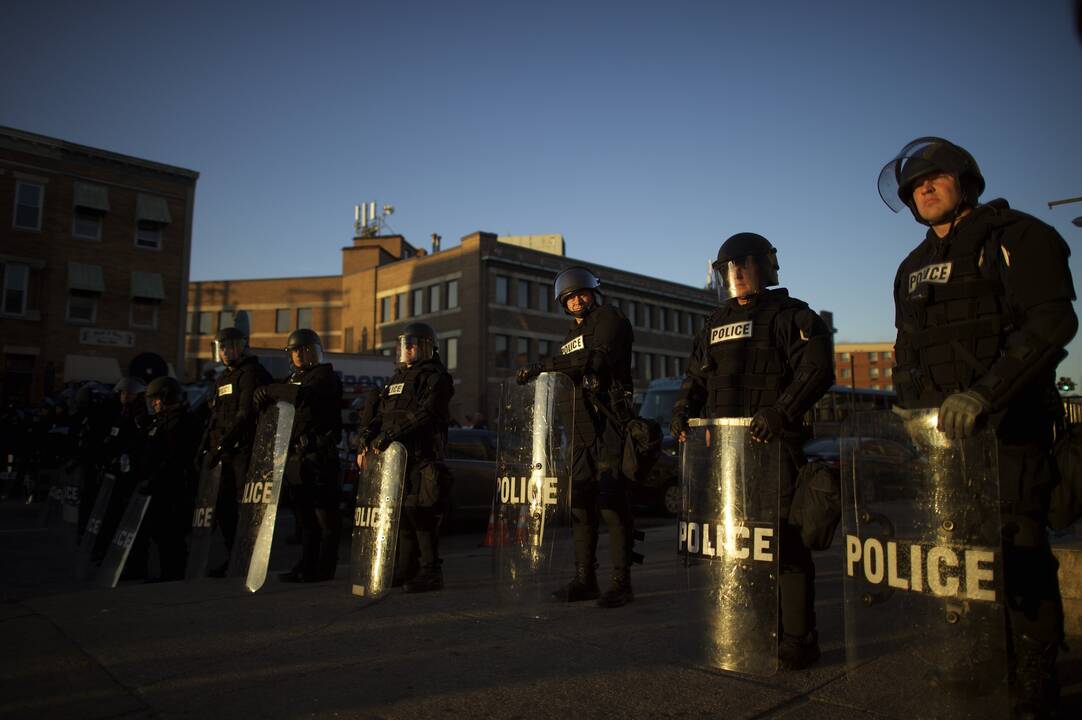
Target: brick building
[489, 299]
[94, 255]
[864, 365]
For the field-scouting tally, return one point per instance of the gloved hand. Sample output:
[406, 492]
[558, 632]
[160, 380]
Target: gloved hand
[214, 456]
[381, 442]
[766, 425]
[591, 382]
[678, 427]
[904, 413]
[959, 413]
[261, 397]
[527, 373]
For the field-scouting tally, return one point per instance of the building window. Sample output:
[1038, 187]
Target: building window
[347, 340]
[875, 387]
[82, 307]
[304, 318]
[873, 372]
[544, 294]
[148, 235]
[418, 302]
[873, 357]
[522, 352]
[662, 317]
[502, 290]
[452, 294]
[632, 312]
[845, 372]
[647, 366]
[86, 224]
[645, 318]
[434, 298]
[846, 357]
[16, 279]
[206, 323]
[887, 355]
[386, 309]
[283, 320]
[144, 313]
[887, 372]
[523, 290]
[544, 348]
[676, 370]
[225, 319]
[190, 325]
[451, 359]
[501, 347]
[400, 309]
[29, 198]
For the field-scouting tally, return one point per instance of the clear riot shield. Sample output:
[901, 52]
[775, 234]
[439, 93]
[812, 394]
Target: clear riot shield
[923, 571]
[259, 499]
[728, 536]
[93, 526]
[375, 522]
[117, 555]
[72, 480]
[202, 537]
[533, 490]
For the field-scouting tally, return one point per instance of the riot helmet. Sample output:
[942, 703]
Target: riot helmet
[163, 392]
[229, 346]
[922, 157]
[304, 348]
[743, 253]
[416, 343]
[128, 389]
[575, 280]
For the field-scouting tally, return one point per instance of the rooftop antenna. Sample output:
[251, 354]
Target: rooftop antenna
[367, 222]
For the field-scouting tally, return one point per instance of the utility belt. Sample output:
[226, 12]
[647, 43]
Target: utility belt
[312, 443]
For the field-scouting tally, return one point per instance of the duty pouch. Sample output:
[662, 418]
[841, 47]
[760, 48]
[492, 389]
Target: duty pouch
[1065, 506]
[642, 446]
[816, 507]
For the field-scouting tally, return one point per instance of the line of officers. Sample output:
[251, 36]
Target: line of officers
[983, 313]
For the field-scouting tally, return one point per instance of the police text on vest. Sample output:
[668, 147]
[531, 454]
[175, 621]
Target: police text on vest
[939, 273]
[732, 331]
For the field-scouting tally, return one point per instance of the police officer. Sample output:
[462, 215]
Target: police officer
[311, 471]
[774, 376]
[120, 451]
[231, 431]
[983, 311]
[596, 355]
[166, 468]
[414, 409]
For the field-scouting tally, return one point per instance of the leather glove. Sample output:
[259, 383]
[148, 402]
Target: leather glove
[959, 414]
[261, 397]
[678, 425]
[381, 442]
[766, 425]
[527, 373]
[590, 382]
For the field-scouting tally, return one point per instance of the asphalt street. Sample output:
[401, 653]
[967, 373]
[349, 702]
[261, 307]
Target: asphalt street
[211, 649]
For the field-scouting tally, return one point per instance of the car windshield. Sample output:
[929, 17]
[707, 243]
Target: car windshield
[658, 405]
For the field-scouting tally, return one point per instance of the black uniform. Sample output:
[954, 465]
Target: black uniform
[121, 451]
[231, 433]
[599, 347]
[414, 409]
[169, 478]
[312, 466]
[784, 366]
[988, 309]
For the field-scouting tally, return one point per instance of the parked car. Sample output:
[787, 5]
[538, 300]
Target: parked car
[471, 458]
[890, 469]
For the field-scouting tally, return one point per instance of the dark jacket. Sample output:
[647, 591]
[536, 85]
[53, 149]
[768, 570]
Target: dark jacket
[414, 409]
[233, 411]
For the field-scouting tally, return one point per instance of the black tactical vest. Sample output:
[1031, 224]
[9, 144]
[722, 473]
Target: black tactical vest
[747, 371]
[953, 318]
[402, 396]
[580, 341]
[319, 417]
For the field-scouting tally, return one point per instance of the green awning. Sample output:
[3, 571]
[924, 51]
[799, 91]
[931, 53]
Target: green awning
[152, 208]
[92, 197]
[89, 278]
[148, 286]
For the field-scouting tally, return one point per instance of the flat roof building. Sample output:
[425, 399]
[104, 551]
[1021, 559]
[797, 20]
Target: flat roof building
[865, 365]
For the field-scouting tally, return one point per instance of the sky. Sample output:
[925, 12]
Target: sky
[644, 133]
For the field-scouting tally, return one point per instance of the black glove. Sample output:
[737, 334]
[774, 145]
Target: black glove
[591, 382]
[261, 397]
[767, 425]
[381, 442]
[527, 373]
[960, 412]
[214, 456]
[678, 425]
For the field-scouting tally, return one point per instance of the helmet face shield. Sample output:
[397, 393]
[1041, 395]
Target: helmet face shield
[412, 349]
[229, 351]
[304, 357]
[923, 157]
[745, 276]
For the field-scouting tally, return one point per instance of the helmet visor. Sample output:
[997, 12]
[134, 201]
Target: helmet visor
[744, 276]
[229, 351]
[919, 157]
[303, 357]
[412, 349]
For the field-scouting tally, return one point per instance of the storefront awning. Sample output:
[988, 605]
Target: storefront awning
[85, 277]
[82, 368]
[152, 208]
[92, 197]
[148, 286]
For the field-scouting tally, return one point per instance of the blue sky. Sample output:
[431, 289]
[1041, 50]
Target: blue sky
[645, 133]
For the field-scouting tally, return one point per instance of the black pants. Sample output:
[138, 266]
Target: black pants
[167, 522]
[796, 571]
[599, 491]
[231, 484]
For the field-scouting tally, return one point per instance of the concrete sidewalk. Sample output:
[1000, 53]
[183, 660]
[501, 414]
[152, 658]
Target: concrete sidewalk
[212, 650]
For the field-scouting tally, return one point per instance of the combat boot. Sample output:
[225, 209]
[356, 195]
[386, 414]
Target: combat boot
[797, 653]
[1036, 690]
[582, 587]
[429, 579]
[619, 592]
